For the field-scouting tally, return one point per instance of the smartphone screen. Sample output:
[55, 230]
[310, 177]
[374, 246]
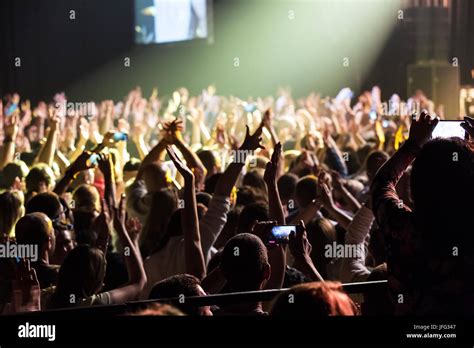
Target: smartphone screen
[447, 129]
[280, 234]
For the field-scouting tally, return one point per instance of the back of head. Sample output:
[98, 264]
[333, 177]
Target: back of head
[306, 190]
[154, 176]
[13, 170]
[209, 161]
[40, 177]
[86, 198]
[34, 229]
[47, 203]
[250, 214]
[81, 274]
[287, 186]
[244, 262]
[254, 179]
[374, 161]
[164, 203]
[178, 285]
[11, 208]
[443, 173]
[249, 194]
[313, 300]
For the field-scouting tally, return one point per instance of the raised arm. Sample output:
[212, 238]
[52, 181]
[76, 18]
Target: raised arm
[300, 248]
[106, 167]
[337, 214]
[227, 181]
[81, 163]
[133, 261]
[46, 154]
[194, 257]
[8, 150]
[275, 207]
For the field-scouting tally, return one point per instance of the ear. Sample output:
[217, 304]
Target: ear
[17, 184]
[267, 271]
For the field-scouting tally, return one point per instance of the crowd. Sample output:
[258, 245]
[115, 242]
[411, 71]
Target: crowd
[155, 197]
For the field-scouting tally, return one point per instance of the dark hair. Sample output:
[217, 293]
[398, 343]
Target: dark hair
[250, 214]
[47, 203]
[244, 262]
[208, 159]
[12, 171]
[175, 286]
[254, 179]
[34, 228]
[374, 161]
[248, 194]
[306, 190]
[287, 186]
[132, 165]
[38, 174]
[81, 274]
[442, 172]
[155, 232]
[313, 300]
[203, 198]
[11, 208]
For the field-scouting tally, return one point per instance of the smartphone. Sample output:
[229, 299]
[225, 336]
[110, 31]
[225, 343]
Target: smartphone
[93, 160]
[448, 129]
[280, 234]
[120, 136]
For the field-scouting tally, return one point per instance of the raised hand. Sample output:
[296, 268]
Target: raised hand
[185, 172]
[271, 169]
[299, 245]
[468, 125]
[12, 127]
[422, 128]
[325, 194]
[252, 142]
[172, 130]
[267, 120]
[81, 163]
[105, 163]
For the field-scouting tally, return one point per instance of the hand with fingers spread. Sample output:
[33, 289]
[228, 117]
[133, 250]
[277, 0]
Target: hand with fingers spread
[105, 163]
[252, 142]
[172, 131]
[26, 288]
[422, 128]
[11, 128]
[81, 163]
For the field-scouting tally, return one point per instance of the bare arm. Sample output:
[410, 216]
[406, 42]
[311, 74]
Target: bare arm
[46, 154]
[133, 261]
[194, 257]
[275, 207]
